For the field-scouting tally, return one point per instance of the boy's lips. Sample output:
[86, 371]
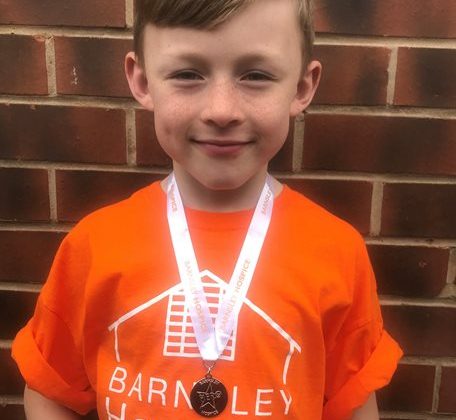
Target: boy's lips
[216, 147]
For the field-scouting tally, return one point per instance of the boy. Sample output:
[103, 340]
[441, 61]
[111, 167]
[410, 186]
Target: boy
[218, 291]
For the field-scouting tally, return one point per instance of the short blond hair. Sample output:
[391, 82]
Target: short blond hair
[207, 14]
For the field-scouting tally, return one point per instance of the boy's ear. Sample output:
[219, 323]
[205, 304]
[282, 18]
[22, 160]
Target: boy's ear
[137, 80]
[306, 88]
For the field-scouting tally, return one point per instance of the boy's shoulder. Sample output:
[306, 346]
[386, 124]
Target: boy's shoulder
[127, 214]
[304, 217]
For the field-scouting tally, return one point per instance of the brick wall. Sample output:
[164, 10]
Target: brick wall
[378, 148]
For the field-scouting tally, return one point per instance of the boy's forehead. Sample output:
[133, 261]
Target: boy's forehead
[256, 30]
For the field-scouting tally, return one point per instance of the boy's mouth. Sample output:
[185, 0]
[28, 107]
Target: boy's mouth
[215, 147]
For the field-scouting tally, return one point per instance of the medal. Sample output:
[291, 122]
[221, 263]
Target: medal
[209, 396]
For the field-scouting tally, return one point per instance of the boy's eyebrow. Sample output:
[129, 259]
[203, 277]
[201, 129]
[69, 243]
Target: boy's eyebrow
[243, 60]
[258, 58]
[195, 58]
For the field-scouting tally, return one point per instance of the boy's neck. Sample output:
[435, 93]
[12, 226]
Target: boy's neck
[197, 196]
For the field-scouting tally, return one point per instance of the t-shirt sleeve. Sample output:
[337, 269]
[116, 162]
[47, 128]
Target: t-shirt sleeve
[363, 356]
[48, 350]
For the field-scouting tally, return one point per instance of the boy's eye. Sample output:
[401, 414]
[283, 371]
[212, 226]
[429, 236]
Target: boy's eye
[257, 76]
[186, 75]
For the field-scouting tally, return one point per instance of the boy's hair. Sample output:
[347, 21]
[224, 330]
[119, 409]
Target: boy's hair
[207, 14]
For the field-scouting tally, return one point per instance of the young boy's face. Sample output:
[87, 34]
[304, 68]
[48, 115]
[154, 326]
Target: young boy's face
[222, 98]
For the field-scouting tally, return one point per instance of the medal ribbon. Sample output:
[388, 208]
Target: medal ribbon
[212, 339]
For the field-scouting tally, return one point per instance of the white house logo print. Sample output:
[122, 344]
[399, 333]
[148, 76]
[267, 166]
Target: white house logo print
[180, 339]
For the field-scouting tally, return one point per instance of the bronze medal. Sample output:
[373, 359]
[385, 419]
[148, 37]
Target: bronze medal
[208, 397]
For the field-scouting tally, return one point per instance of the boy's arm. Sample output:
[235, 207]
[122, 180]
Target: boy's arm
[368, 411]
[38, 407]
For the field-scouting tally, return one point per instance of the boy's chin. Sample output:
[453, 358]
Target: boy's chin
[222, 180]
[221, 184]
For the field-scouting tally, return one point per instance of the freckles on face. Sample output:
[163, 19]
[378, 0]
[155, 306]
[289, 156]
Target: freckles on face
[168, 116]
[236, 87]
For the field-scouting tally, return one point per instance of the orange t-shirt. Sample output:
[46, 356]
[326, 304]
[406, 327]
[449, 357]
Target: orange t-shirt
[111, 329]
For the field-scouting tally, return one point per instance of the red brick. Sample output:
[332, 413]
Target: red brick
[81, 192]
[411, 389]
[447, 400]
[350, 200]
[24, 69]
[56, 12]
[12, 412]
[16, 308]
[419, 210]
[17, 249]
[409, 271]
[410, 18]
[352, 75]
[11, 382]
[148, 150]
[403, 417]
[380, 144]
[89, 66]
[24, 194]
[65, 134]
[425, 77]
[422, 330]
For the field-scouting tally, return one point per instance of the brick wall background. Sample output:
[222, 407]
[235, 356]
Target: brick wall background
[378, 148]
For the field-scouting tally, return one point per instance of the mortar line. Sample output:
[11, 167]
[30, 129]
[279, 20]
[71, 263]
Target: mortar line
[376, 208]
[449, 290]
[82, 167]
[320, 175]
[130, 126]
[129, 13]
[75, 101]
[35, 227]
[5, 344]
[52, 195]
[11, 400]
[124, 103]
[321, 38]
[407, 415]
[50, 66]
[298, 144]
[451, 273]
[71, 32]
[392, 69]
[428, 303]
[20, 287]
[425, 243]
[428, 361]
[381, 41]
[372, 177]
[384, 111]
[436, 390]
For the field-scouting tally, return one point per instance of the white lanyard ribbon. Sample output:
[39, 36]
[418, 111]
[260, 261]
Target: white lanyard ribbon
[211, 339]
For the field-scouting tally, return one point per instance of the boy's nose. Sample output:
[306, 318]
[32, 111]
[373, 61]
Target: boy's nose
[222, 106]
